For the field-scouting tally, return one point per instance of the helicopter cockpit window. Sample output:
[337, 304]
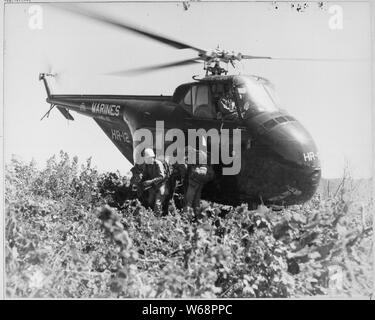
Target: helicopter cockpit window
[256, 96]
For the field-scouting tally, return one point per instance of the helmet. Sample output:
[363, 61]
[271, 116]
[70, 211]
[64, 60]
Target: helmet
[149, 153]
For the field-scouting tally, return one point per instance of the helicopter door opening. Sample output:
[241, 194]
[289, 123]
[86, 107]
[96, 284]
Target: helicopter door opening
[223, 99]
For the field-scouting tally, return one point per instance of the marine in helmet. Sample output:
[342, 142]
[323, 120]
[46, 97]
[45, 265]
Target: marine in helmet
[151, 178]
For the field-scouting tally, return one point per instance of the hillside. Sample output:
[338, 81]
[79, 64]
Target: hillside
[71, 233]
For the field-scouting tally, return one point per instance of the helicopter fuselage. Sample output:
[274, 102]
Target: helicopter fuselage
[279, 159]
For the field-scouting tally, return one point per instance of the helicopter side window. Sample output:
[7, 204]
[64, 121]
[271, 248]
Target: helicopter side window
[187, 99]
[194, 95]
[201, 105]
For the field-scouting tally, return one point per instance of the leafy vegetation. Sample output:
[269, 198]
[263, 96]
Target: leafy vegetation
[74, 233]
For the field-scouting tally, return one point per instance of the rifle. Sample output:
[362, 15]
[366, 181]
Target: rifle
[139, 185]
[168, 176]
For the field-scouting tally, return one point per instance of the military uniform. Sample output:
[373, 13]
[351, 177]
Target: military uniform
[150, 182]
[177, 173]
[198, 176]
[153, 181]
[227, 109]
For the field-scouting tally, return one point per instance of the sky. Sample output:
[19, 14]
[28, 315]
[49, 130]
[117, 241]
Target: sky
[332, 99]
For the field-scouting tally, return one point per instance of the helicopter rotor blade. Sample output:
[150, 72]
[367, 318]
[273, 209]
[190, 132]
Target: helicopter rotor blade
[319, 59]
[129, 27]
[244, 56]
[141, 70]
[301, 59]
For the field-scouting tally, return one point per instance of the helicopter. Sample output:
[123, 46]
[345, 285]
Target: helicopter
[279, 159]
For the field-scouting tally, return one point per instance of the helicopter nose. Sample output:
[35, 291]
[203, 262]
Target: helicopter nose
[296, 150]
[294, 144]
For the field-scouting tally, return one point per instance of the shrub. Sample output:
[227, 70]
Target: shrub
[72, 232]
